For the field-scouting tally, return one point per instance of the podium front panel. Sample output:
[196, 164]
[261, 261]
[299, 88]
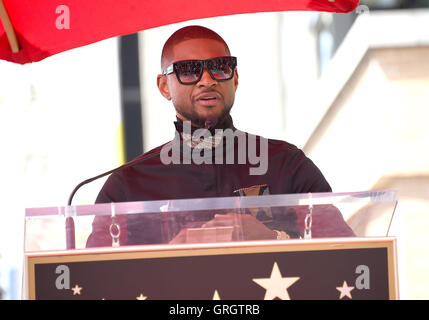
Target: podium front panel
[322, 269]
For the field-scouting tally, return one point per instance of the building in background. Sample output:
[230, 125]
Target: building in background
[373, 134]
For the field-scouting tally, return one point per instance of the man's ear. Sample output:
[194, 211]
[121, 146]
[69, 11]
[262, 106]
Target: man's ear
[161, 81]
[235, 79]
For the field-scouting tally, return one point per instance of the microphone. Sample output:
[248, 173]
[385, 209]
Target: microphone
[70, 229]
[126, 165]
[209, 124]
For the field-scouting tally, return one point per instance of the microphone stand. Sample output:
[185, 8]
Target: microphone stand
[70, 228]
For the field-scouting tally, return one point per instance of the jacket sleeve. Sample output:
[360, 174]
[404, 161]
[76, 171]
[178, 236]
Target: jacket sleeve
[327, 220]
[307, 177]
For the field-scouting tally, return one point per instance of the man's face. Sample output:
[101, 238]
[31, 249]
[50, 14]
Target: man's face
[206, 100]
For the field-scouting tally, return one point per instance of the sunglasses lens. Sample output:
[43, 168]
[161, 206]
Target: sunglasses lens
[222, 68]
[188, 71]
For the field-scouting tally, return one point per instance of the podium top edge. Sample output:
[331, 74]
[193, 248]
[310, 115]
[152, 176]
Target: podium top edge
[175, 205]
[266, 245]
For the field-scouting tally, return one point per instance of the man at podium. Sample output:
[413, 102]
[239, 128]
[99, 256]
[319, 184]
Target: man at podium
[209, 157]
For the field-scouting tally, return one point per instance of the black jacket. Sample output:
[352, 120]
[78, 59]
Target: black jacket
[288, 171]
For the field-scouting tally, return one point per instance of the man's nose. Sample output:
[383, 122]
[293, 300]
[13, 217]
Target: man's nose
[206, 79]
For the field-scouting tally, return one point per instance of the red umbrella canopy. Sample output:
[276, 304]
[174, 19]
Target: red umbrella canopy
[32, 30]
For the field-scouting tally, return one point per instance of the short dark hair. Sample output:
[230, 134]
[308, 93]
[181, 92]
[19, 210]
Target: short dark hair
[187, 33]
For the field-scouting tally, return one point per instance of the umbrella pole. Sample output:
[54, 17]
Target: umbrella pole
[7, 25]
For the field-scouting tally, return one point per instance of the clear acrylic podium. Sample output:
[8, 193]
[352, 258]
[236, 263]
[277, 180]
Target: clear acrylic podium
[332, 246]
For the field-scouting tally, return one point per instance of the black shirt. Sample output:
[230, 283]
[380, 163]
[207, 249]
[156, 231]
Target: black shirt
[288, 171]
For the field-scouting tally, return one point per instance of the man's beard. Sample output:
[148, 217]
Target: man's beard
[201, 122]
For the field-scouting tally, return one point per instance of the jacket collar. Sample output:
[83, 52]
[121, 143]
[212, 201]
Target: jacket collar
[186, 133]
[227, 123]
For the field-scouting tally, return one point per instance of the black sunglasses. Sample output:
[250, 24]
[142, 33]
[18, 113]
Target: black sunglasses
[191, 71]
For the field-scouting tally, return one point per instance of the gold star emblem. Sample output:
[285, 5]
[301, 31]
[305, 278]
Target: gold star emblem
[276, 285]
[345, 290]
[216, 295]
[76, 290]
[141, 297]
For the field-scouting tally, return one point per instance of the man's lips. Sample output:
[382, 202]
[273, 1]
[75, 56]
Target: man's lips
[208, 98]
